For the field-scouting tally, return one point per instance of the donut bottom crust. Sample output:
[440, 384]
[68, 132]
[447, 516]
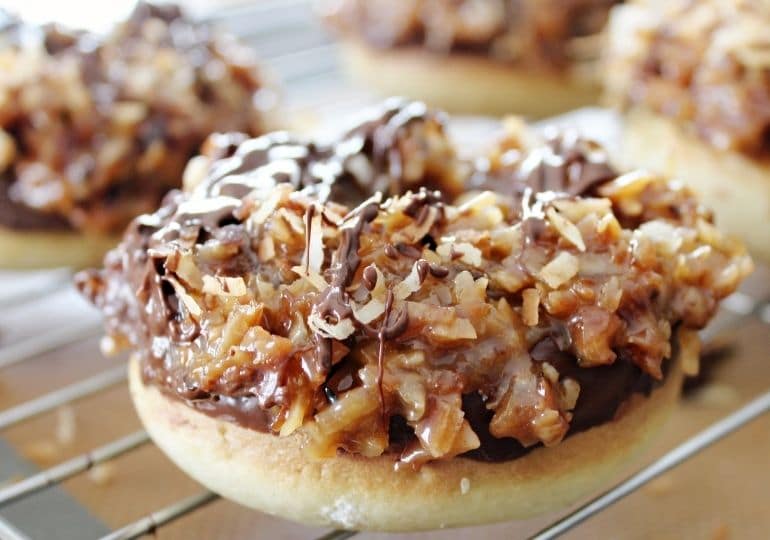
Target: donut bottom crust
[466, 83]
[27, 250]
[274, 474]
[734, 186]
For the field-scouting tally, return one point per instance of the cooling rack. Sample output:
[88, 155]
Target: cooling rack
[302, 56]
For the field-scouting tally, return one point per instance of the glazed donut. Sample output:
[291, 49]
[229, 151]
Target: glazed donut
[693, 79]
[483, 57]
[94, 130]
[417, 358]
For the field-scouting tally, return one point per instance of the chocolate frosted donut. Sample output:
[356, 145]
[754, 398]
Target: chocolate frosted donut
[363, 364]
[693, 82]
[535, 57]
[95, 129]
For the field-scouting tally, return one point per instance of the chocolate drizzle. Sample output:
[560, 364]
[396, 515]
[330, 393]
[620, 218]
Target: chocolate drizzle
[100, 129]
[532, 33]
[334, 303]
[314, 330]
[566, 164]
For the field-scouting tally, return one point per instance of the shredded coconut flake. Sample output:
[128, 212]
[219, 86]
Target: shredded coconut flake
[560, 270]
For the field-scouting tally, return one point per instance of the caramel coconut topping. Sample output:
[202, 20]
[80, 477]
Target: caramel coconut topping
[550, 35]
[95, 129]
[704, 64]
[417, 326]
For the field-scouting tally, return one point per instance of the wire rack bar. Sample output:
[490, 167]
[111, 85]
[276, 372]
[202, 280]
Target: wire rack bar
[739, 303]
[151, 522]
[52, 339]
[9, 532]
[338, 535]
[55, 282]
[72, 467]
[305, 63]
[67, 394]
[678, 455]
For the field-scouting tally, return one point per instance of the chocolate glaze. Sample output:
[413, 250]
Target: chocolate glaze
[567, 163]
[603, 390]
[14, 215]
[261, 163]
[532, 33]
[87, 164]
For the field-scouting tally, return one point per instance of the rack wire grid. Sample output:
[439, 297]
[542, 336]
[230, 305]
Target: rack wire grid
[296, 48]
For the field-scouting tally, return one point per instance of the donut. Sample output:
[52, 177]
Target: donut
[693, 82]
[461, 341]
[483, 57]
[95, 129]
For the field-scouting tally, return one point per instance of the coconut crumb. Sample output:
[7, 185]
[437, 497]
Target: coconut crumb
[102, 474]
[465, 486]
[560, 270]
[342, 513]
[65, 425]
[530, 305]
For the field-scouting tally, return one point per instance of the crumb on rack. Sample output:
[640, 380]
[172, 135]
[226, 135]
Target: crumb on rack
[65, 425]
[102, 474]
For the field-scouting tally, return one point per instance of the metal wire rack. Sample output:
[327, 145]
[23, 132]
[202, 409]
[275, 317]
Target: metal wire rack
[299, 52]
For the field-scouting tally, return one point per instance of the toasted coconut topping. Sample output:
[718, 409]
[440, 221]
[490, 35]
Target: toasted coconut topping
[704, 64]
[543, 35]
[408, 325]
[95, 129]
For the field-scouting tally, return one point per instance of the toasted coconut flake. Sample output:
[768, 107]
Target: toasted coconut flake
[465, 441]
[609, 225]
[409, 285]
[349, 408]
[570, 393]
[460, 329]
[549, 427]
[188, 272]
[224, 286]
[313, 277]
[361, 168]
[510, 281]
[296, 415]
[369, 311]
[664, 235]
[267, 207]
[530, 306]
[188, 301]
[611, 294]
[627, 186]
[576, 209]
[566, 228]
[560, 270]
[467, 253]
[550, 372]
[195, 172]
[689, 351]
[483, 205]
[235, 286]
[295, 222]
[412, 394]
[339, 331]
[467, 290]
[266, 250]
[314, 255]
